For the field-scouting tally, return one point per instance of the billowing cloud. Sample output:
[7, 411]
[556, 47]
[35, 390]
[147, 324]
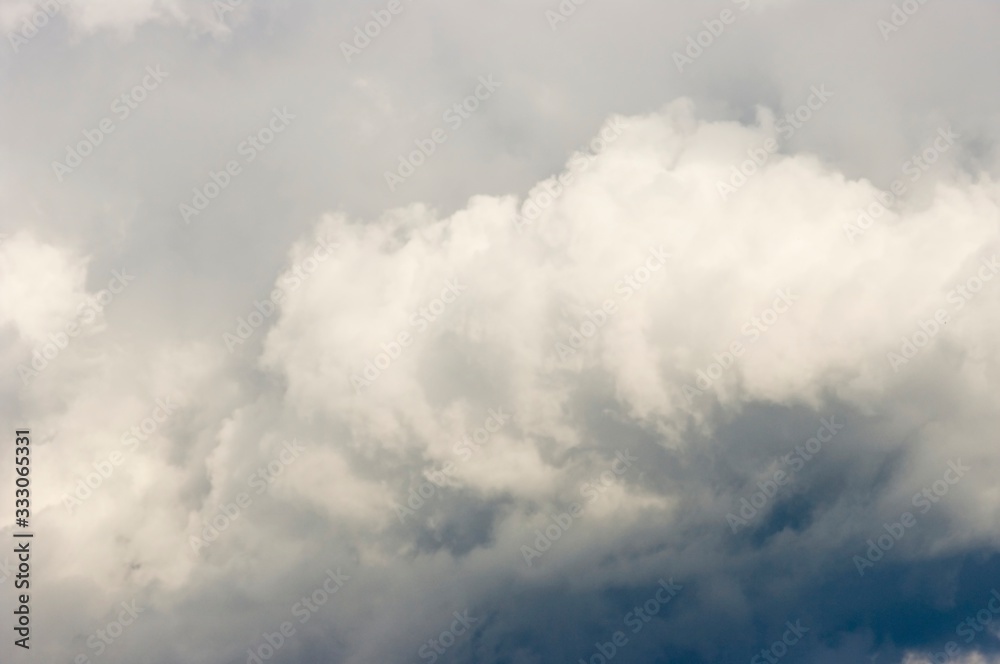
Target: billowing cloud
[701, 375]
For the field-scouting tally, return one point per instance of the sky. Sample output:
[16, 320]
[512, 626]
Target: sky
[504, 332]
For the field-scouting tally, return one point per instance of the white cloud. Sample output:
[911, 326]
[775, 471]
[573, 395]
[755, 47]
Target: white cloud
[640, 245]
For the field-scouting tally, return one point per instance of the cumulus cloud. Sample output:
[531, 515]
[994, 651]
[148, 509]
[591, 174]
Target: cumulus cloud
[688, 343]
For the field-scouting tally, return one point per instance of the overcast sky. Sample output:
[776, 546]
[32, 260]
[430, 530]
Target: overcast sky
[515, 331]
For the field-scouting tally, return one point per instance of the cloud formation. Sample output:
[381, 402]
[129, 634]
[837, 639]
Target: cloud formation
[705, 350]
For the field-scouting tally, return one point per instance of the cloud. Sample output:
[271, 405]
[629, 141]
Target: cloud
[116, 16]
[416, 386]
[499, 315]
[41, 287]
